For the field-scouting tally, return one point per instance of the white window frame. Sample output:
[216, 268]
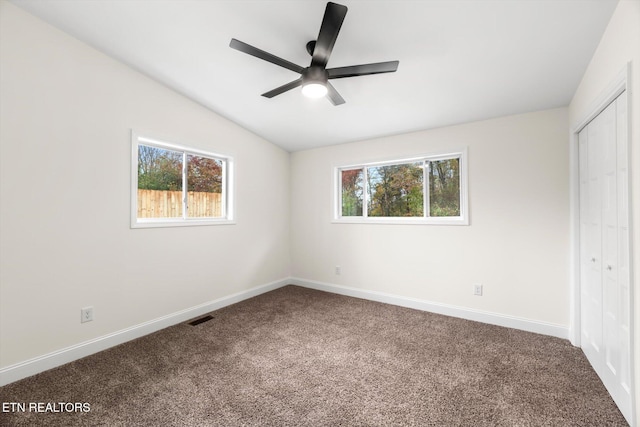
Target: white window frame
[227, 186]
[462, 219]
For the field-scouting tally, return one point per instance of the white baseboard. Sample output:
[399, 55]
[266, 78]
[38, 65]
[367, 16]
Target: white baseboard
[446, 309]
[39, 364]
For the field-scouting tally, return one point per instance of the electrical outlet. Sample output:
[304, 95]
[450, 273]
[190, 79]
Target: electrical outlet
[86, 314]
[338, 270]
[477, 289]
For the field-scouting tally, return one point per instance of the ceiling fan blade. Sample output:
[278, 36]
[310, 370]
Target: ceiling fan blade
[283, 88]
[259, 53]
[363, 70]
[333, 17]
[333, 95]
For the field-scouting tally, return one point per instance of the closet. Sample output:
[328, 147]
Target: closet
[604, 249]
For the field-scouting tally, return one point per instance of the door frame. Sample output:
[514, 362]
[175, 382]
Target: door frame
[618, 85]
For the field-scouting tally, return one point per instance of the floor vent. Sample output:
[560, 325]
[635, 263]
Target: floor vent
[201, 320]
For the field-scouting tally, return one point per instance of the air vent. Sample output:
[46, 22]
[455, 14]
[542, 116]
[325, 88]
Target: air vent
[201, 320]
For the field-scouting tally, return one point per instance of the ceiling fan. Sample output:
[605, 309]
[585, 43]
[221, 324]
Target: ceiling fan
[314, 79]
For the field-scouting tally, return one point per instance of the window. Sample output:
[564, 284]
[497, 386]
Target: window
[425, 190]
[175, 186]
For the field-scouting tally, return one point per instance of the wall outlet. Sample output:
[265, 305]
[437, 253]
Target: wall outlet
[477, 289]
[338, 270]
[86, 314]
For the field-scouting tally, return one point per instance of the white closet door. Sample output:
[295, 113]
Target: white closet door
[604, 250]
[591, 223]
[623, 274]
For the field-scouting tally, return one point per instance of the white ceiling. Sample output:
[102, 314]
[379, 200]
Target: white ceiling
[460, 61]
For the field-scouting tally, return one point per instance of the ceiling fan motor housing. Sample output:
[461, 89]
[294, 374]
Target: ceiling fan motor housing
[315, 75]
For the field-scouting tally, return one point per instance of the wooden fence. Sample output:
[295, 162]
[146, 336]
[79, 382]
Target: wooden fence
[168, 204]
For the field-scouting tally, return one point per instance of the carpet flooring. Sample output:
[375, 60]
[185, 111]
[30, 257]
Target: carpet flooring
[300, 357]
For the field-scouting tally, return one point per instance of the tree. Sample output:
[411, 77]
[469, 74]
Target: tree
[396, 190]
[352, 192]
[444, 187]
[204, 174]
[159, 169]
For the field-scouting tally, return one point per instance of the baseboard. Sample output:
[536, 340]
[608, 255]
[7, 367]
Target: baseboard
[446, 309]
[39, 364]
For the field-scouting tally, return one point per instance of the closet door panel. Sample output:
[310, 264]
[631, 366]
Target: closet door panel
[604, 249]
[594, 309]
[585, 236]
[623, 254]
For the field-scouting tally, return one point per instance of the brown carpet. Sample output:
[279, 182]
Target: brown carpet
[299, 357]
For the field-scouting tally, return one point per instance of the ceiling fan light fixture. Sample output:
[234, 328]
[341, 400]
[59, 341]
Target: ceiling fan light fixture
[314, 90]
[314, 79]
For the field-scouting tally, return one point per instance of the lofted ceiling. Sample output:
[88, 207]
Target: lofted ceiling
[460, 60]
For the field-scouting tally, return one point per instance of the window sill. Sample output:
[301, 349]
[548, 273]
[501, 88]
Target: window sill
[403, 221]
[161, 223]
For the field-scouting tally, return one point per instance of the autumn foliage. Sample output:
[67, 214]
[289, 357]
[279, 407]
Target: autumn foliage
[398, 190]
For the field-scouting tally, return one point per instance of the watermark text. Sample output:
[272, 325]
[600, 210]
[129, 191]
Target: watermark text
[44, 407]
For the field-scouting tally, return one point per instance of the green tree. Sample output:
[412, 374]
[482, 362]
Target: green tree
[352, 192]
[396, 190]
[159, 169]
[444, 187]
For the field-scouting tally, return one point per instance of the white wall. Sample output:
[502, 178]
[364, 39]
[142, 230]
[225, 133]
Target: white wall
[619, 45]
[517, 243]
[66, 113]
